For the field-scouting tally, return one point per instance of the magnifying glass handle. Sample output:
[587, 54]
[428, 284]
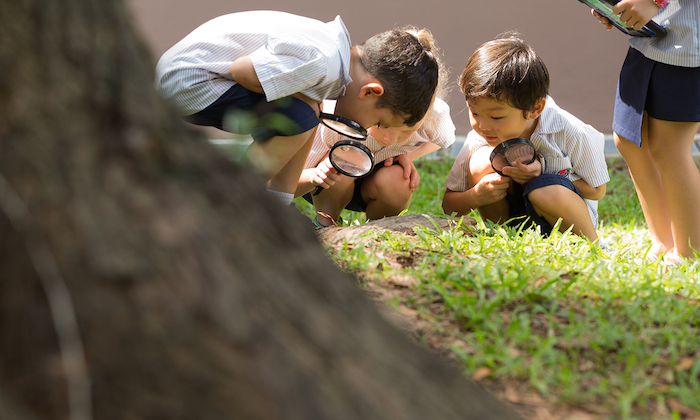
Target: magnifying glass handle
[317, 191]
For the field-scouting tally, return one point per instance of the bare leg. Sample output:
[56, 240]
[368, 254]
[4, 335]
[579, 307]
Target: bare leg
[650, 190]
[555, 202]
[281, 159]
[333, 200]
[386, 192]
[670, 146]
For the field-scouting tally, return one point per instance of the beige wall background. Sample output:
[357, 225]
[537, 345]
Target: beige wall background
[584, 60]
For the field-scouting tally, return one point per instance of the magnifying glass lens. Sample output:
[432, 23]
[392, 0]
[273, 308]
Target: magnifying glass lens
[343, 126]
[351, 160]
[511, 151]
[343, 129]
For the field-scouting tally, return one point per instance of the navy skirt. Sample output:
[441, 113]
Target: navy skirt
[665, 92]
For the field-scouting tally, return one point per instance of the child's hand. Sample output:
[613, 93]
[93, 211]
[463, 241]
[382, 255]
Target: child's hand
[409, 169]
[491, 188]
[636, 13]
[602, 19]
[522, 173]
[324, 174]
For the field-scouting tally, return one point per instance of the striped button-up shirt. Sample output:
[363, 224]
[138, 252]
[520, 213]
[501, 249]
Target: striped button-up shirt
[568, 146]
[681, 46]
[290, 54]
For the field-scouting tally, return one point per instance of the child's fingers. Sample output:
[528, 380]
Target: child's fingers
[602, 19]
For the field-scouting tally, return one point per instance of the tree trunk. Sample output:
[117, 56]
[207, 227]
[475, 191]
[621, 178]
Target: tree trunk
[143, 275]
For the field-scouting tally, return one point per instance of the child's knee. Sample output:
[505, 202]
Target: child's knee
[552, 196]
[389, 185]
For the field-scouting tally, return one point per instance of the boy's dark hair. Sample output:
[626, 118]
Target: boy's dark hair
[506, 69]
[405, 63]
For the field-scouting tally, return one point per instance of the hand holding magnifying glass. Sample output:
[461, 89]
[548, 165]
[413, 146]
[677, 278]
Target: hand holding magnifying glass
[349, 156]
[510, 151]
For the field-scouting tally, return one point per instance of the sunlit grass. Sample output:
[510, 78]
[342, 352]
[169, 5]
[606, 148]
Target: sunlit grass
[605, 330]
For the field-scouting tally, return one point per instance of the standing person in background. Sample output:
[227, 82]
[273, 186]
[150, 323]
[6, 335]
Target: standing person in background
[264, 73]
[656, 117]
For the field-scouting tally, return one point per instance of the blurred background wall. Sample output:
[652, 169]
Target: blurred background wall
[584, 60]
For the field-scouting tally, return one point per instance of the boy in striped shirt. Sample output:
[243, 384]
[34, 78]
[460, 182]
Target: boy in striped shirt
[506, 87]
[264, 73]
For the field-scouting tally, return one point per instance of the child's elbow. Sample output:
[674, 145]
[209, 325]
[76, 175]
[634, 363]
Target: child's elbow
[598, 192]
[447, 206]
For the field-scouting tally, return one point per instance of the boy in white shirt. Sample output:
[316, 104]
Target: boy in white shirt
[264, 73]
[506, 87]
[387, 190]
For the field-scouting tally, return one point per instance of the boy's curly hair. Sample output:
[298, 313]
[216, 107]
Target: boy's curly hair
[406, 63]
[506, 69]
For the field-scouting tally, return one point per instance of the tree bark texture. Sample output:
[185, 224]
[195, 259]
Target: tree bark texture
[143, 275]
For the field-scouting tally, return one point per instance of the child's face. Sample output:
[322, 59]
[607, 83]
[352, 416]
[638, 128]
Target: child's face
[385, 126]
[497, 121]
[387, 136]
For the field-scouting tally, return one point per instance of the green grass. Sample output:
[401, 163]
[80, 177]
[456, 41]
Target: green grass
[604, 331]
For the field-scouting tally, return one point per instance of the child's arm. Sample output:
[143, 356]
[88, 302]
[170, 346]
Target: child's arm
[591, 193]
[406, 161]
[424, 149]
[490, 189]
[243, 73]
[324, 174]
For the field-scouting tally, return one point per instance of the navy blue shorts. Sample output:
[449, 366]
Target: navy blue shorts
[520, 206]
[242, 111]
[665, 92]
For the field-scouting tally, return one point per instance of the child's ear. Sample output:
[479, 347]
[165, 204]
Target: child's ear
[539, 107]
[372, 88]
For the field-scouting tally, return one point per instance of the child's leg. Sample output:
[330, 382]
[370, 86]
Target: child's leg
[670, 144]
[650, 190]
[480, 166]
[333, 200]
[554, 202]
[386, 192]
[281, 159]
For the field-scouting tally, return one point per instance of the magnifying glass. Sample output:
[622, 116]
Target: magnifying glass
[351, 158]
[344, 126]
[510, 151]
[348, 157]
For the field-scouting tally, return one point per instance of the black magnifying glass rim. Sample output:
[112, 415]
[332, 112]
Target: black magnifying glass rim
[501, 148]
[361, 132]
[353, 143]
[358, 145]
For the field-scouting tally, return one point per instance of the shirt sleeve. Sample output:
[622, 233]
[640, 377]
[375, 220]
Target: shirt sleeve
[442, 129]
[588, 157]
[286, 67]
[458, 178]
